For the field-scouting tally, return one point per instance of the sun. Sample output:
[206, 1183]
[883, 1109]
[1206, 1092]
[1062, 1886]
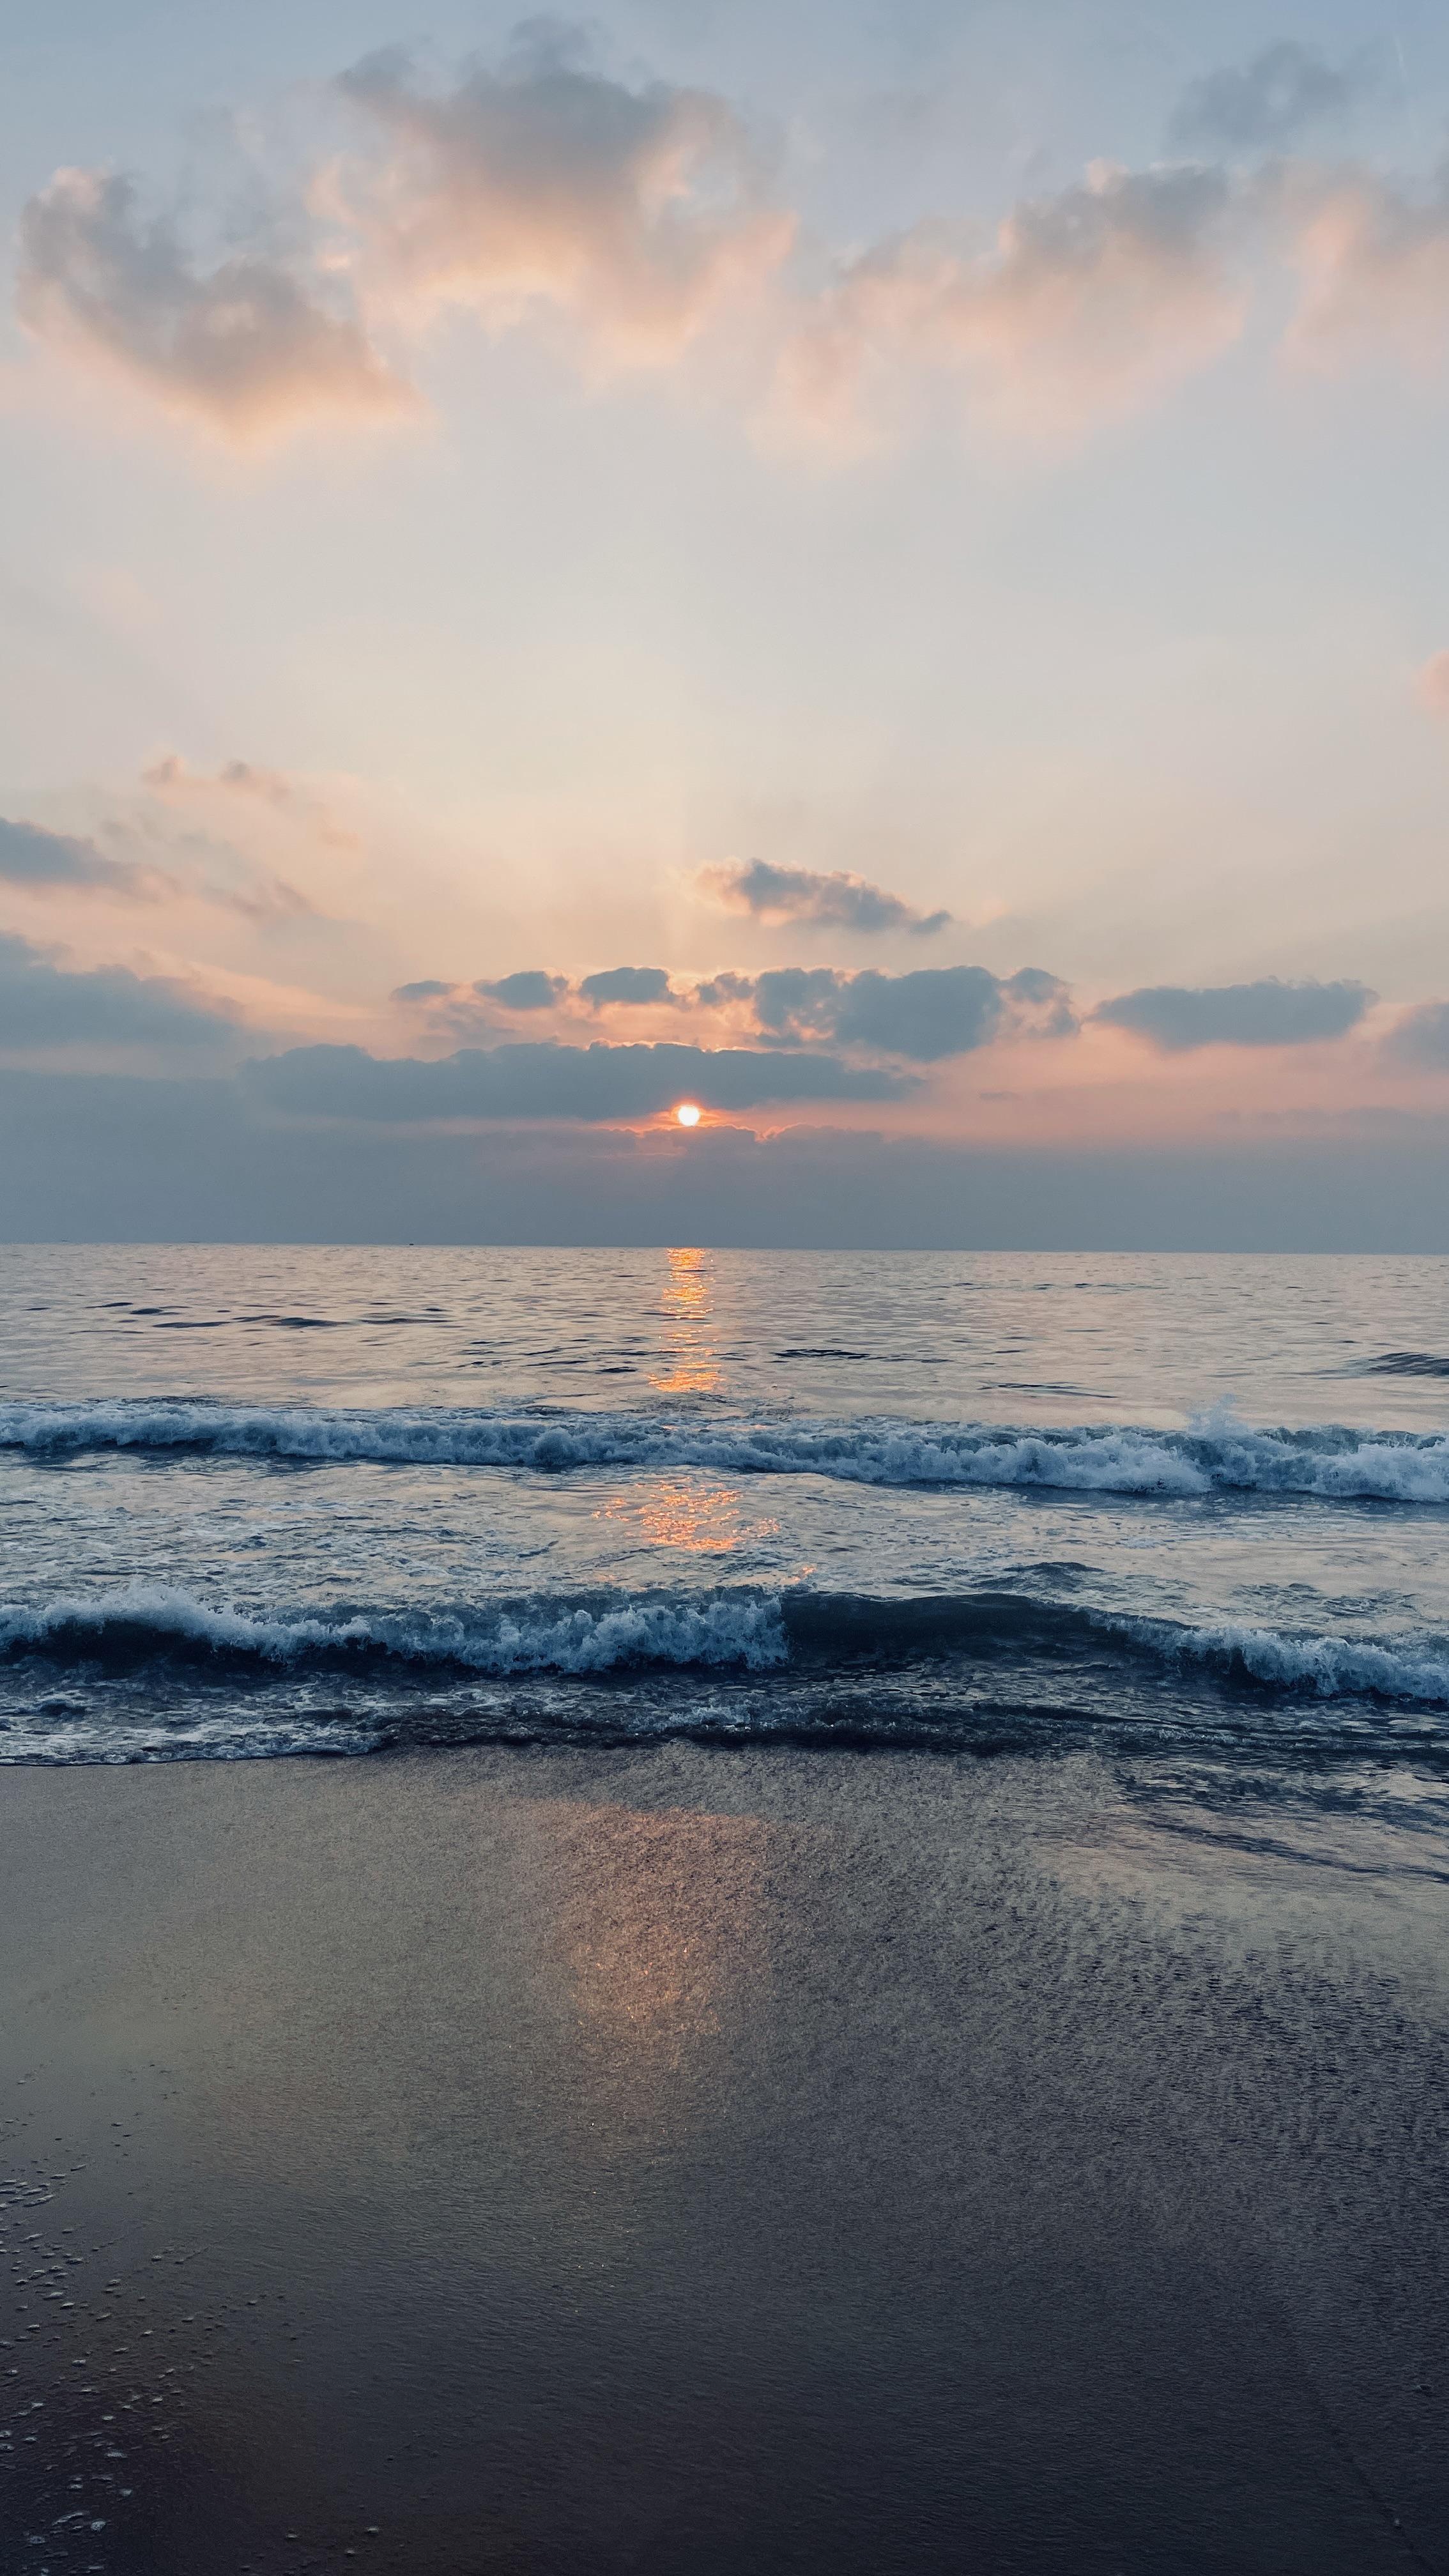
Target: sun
[688, 1113]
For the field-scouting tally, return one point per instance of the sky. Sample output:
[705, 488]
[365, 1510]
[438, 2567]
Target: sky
[879, 570]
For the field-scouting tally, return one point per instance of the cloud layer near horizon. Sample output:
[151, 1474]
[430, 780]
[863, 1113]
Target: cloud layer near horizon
[86, 1158]
[551, 1081]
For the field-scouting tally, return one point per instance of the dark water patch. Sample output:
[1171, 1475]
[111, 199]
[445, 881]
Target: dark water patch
[825, 1351]
[1400, 1364]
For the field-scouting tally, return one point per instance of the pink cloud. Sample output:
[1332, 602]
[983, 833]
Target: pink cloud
[246, 348]
[638, 213]
[1374, 264]
[1088, 302]
[245, 783]
[638, 217]
[1432, 684]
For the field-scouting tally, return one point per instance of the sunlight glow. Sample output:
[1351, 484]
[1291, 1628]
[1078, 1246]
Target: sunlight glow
[688, 1113]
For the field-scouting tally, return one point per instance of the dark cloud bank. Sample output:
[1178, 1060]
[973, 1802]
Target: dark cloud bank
[60, 862]
[85, 1158]
[45, 1004]
[1270, 1014]
[590, 1083]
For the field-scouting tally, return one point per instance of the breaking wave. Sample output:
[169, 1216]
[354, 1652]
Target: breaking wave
[1216, 1454]
[751, 1631]
[558, 1637]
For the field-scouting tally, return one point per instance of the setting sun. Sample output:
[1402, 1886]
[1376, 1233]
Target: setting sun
[688, 1113]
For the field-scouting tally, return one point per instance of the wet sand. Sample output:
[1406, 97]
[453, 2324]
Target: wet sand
[713, 2162]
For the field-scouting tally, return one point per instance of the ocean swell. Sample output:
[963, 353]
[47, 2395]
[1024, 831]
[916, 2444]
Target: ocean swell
[1217, 1453]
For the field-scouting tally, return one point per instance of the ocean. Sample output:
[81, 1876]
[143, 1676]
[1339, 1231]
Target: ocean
[292, 1501]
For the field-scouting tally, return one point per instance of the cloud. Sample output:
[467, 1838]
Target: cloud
[232, 799]
[1374, 264]
[1090, 301]
[242, 780]
[930, 1013]
[1421, 1038]
[529, 990]
[548, 1081]
[1431, 685]
[836, 901]
[91, 1158]
[934, 1012]
[247, 348]
[57, 862]
[631, 986]
[1267, 1014]
[1265, 104]
[639, 215]
[45, 1004]
[471, 1010]
[270, 900]
[638, 212]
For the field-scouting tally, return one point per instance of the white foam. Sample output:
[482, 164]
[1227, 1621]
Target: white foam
[738, 1628]
[1334, 1667]
[1216, 1454]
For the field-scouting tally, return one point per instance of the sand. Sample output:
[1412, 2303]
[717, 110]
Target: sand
[717, 2161]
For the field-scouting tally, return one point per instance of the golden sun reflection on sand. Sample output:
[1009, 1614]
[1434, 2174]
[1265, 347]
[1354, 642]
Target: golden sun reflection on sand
[658, 1919]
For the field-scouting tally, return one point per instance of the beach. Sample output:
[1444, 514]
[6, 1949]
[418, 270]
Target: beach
[724, 1290]
[677, 2158]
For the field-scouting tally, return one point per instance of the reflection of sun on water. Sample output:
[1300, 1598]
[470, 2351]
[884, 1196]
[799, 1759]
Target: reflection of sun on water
[690, 1365]
[705, 1520]
[686, 1290]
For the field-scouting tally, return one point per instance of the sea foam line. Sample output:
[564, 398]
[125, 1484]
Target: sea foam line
[1217, 1453]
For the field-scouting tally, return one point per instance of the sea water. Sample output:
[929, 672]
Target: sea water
[266, 1501]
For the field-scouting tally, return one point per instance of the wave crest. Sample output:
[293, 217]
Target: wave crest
[560, 1637]
[1217, 1453]
[983, 1634]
